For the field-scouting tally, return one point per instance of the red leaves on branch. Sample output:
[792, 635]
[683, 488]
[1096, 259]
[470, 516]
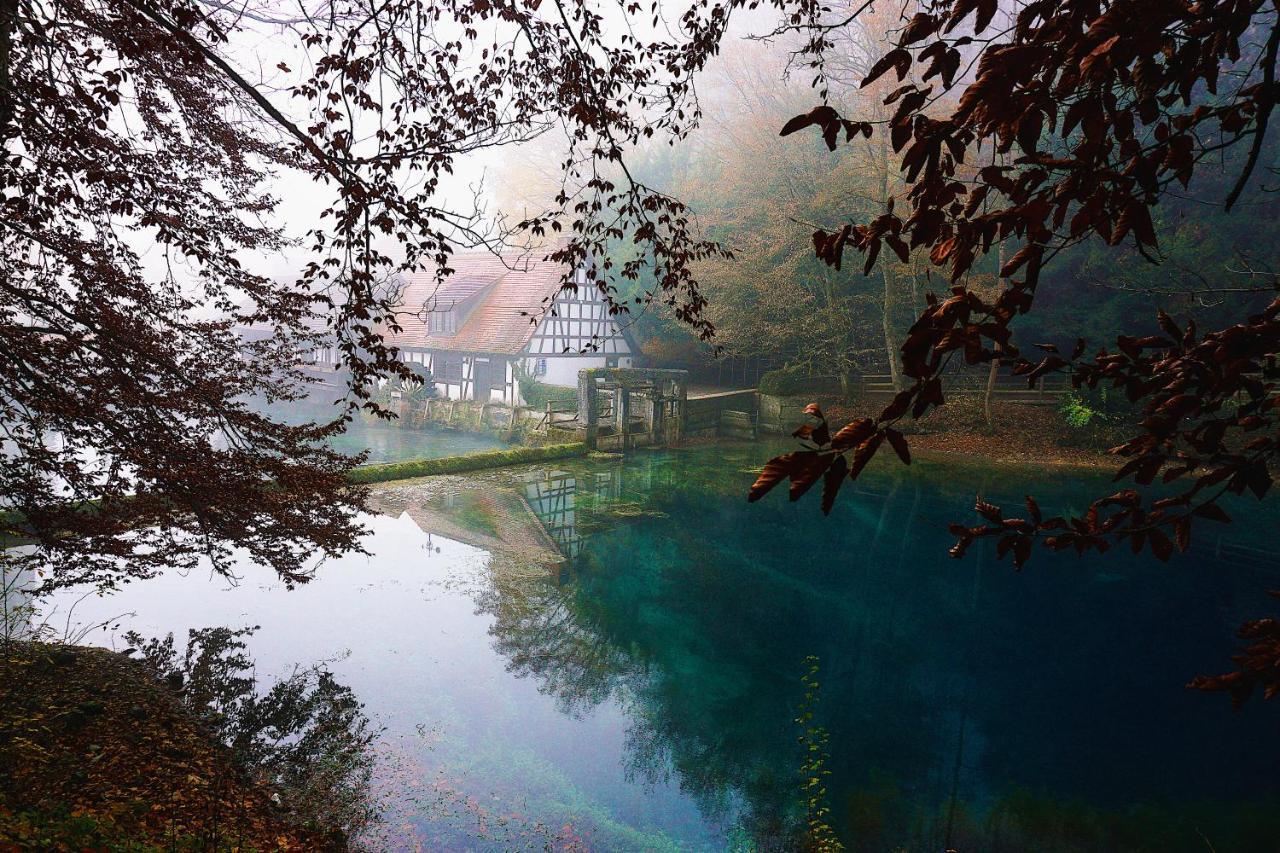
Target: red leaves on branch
[1119, 113]
[1107, 104]
[825, 455]
[1258, 665]
[1202, 399]
[831, 124]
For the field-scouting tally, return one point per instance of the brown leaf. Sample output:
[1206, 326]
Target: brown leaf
[901, 402]
[853, 434]
[899, 442]
[1161, 546]
[1182, 532]
[774, 471]
[1213, 512]
[863, 454]
[809, 467]
[832, 481]
[899, 60]
[821, 115]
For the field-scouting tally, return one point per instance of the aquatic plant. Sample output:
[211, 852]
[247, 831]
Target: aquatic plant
[819, 837]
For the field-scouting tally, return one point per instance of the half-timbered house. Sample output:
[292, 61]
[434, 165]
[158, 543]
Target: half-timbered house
[495, 316]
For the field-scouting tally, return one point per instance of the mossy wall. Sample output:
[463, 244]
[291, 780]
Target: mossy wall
[458, 464]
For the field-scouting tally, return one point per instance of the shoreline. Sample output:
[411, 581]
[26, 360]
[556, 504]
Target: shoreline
[104, 756]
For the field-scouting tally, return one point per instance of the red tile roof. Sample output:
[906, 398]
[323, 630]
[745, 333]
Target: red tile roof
[512, 291]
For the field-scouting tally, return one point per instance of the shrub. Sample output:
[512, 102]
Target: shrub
[790, 381]
[537, 394]
[457, 464]
[1098, 417]
[422, 387]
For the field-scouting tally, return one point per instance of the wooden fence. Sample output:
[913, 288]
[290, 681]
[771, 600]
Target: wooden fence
[1008, 388]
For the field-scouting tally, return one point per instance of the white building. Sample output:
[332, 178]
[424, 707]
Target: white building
[494, 314]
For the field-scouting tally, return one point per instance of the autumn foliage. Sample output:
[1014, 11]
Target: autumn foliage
[140, 150]
[1085, 113]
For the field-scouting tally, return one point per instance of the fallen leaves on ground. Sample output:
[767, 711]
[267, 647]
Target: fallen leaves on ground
[97, 752]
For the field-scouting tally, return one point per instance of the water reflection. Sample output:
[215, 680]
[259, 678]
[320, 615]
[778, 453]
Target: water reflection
[380, 440]
[968, 706]
[609, 654]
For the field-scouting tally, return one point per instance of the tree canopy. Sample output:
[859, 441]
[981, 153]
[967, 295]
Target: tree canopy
[138, 147]
[141, 140]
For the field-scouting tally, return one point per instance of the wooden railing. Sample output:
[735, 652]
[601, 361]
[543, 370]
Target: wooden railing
[554, 411]
[1007, 386]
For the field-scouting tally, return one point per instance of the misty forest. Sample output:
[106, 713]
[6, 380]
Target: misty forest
[634, 425]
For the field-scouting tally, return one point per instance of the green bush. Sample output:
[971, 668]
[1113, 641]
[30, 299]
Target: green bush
[457, 464]
[537, 394]
[1100, 417]
[790, 381]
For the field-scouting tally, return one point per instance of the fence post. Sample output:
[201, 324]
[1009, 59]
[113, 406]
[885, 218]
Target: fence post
[587, 388]
[622, 404]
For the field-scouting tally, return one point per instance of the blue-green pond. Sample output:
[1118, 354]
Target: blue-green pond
[608, 655]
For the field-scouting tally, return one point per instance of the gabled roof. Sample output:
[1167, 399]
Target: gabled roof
[511, 291]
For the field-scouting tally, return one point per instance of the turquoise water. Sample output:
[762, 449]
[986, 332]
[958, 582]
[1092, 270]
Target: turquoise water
[384, 441]
[625, 672]
[389, 443]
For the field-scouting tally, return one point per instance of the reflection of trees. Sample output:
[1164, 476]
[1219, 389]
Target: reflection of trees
[537, 630]
[695, 614]
[702, 648]
[306, 735]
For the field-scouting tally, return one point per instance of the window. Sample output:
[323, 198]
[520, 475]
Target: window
[451, 368]
[444, 322]
[540, 367]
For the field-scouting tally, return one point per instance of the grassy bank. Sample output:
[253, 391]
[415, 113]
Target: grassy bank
[384, 472]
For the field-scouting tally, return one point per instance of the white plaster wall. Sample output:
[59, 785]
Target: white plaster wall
[563, 370]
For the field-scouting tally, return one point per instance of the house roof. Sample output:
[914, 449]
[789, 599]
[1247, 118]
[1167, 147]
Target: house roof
[511, 289]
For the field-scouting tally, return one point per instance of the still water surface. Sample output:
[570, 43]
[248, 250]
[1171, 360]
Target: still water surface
[383, 441]
[609, 653]
[389, 443]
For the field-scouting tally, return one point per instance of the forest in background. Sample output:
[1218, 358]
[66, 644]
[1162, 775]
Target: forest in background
[762, 196]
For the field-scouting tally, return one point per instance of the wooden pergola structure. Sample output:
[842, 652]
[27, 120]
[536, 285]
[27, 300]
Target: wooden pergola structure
[620, 404]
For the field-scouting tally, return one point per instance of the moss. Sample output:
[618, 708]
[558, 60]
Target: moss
[537, 395]
[458, 464]
[475, 513]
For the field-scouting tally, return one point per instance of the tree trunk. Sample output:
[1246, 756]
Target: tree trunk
[890, 339]
[890, 280]
[991, 387]
[991, 374]
[8, 22]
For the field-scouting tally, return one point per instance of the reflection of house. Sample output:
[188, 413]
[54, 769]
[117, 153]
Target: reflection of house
[497, 520]
[486, 320]
[553, 500]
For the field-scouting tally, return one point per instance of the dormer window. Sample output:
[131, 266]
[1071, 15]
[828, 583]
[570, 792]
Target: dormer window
[444, 322]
